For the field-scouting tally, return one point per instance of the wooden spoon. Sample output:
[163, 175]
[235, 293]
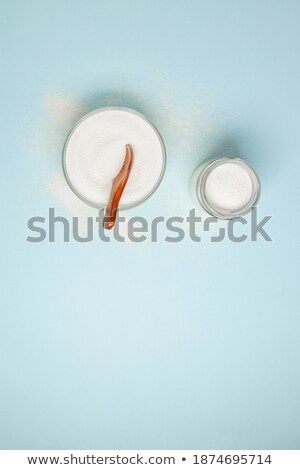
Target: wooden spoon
[118, 186]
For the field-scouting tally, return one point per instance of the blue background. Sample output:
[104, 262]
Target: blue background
[152, 345]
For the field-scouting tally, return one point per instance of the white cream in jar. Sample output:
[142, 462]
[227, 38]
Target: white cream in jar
[225, 187]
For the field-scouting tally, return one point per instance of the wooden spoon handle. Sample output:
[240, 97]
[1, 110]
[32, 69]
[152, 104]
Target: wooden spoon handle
[118, 186]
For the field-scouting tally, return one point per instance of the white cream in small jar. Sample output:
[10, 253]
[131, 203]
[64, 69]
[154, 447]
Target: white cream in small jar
[225, 187]
[94, 153]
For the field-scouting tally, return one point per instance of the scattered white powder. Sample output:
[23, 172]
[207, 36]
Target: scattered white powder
[95, 153]
[64, 110]
[228, 187]
[187, 118]
[47, 137]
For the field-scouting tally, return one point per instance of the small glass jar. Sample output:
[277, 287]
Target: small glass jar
[225, 187]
